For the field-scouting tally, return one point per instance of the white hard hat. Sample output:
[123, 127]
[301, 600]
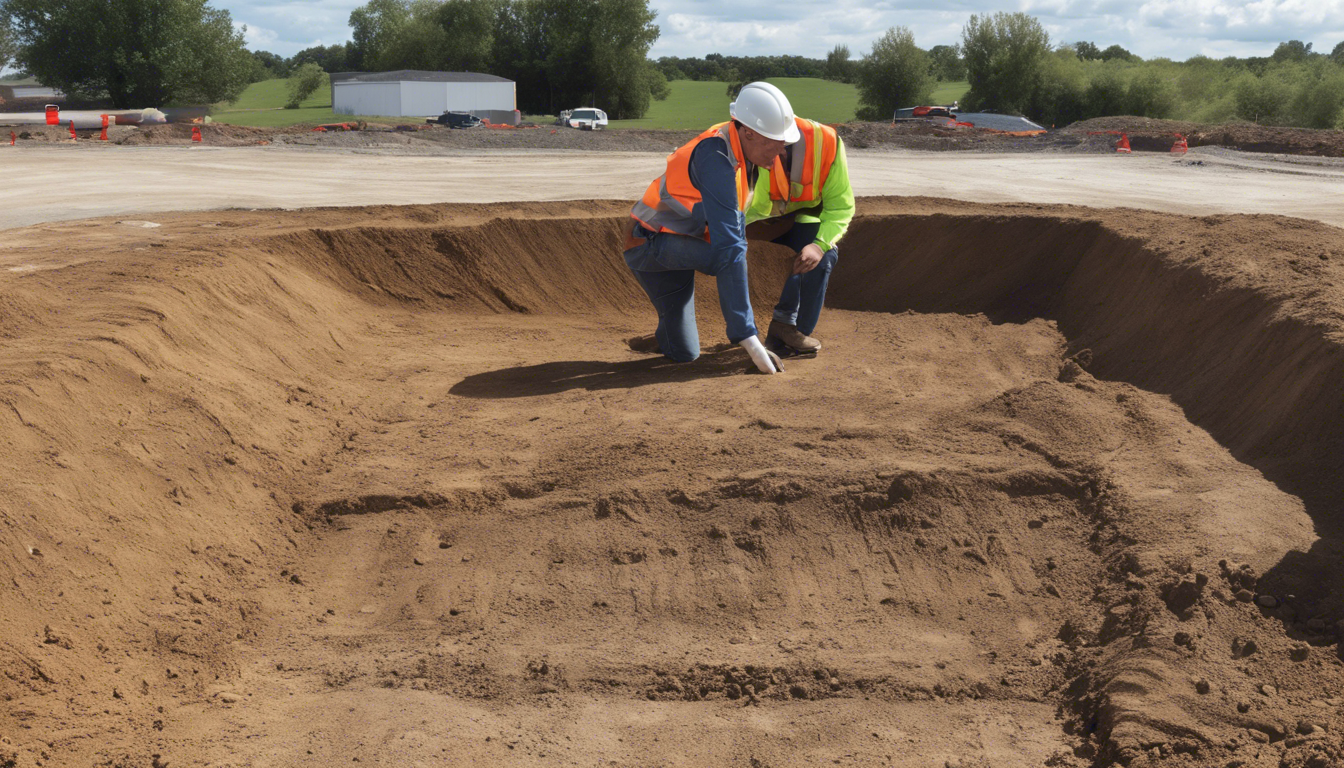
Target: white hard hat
[766, 110]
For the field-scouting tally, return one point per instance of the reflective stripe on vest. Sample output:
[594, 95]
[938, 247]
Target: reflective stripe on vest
[808, 170]
[669, 204]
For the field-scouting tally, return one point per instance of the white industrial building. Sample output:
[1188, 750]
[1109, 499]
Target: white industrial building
[413, 93]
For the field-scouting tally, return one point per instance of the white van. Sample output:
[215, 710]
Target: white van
[587, 119]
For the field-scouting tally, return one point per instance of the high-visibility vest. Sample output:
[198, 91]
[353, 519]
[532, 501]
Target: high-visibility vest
[808, 169]
[669, 204]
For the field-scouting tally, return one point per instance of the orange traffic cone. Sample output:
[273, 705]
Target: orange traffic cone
[12, 138]
[73, 136]
[196, 133]
[1181, 146]
[103, 135]
[1123, 146]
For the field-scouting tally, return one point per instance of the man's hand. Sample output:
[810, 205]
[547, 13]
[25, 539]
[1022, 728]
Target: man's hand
[808, 259]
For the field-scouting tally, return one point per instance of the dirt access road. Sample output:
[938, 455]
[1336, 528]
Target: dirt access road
[45, 183]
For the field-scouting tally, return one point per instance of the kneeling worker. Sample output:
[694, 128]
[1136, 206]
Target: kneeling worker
[691, 220]
[807, 198]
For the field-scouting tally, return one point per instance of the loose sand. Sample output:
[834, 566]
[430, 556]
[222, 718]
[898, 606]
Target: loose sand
[383, 485]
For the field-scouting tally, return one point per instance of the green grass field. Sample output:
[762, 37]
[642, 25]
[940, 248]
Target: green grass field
[692, 105]
[946, 93]
[262, 106]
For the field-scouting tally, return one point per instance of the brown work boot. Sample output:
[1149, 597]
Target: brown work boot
[790, 337]
[646, 344]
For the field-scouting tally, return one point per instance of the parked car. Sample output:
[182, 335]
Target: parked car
[586, 119]
[456, 120]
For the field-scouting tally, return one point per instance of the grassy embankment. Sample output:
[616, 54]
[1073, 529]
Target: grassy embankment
[692, 105]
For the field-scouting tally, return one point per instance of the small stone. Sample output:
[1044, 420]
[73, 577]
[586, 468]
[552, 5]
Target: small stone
[416, 560]
[1182, 638]
[1267, 601]
[1259, 736]
[798, 692]
[1244, 595]
[1299, 653]
[1307, 728]
[1243, 707]
[834, 682]
[1202, 686]
[230, 698]
[1316, 625]
[1268, 690]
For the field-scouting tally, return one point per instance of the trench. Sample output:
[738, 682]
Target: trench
[1046, 445]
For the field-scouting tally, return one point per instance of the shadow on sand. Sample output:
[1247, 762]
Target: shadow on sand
[563, 376]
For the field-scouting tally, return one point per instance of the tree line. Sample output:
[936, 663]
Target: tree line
[560, 53]
[1013, 67]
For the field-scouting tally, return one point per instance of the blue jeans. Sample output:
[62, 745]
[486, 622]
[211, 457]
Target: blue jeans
[665, 266]
[800, 301]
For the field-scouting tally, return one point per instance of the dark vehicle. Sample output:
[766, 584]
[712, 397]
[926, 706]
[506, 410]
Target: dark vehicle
[456, 120]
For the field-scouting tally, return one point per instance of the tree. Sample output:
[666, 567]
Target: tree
[7, 44]
[894, 75]
[373, 26]
[1087, 51]
[135, 53]
[469, 39]
[1337, 55]
[1259, 99]
[1149, 95]
[331, 58]
[1004, 55]
[1293, 50]
[1116, 52]
[420, 41]
[945, 64]
[303, 83]
[838, 66]
[271, 65]
[620, 34]
[1320, 102]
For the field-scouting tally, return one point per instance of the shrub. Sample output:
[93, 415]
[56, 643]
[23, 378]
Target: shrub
[303, 83]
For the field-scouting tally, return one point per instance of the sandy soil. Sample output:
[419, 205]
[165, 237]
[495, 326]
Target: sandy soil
[47, 183]
[382, 485]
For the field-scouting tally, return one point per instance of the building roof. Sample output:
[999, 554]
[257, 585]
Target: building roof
[416, 75]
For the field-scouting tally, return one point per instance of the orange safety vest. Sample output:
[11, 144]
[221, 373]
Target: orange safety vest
[808, 170]
[669, 204]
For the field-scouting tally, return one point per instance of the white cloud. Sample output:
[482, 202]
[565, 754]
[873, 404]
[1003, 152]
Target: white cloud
[1176, 29]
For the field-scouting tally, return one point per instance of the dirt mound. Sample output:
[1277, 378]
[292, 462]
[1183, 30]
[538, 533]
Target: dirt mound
[216, 134]
[384, 484]
[543, 137]
[1146, 134]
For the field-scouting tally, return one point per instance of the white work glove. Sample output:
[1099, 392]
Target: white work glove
[765, 360]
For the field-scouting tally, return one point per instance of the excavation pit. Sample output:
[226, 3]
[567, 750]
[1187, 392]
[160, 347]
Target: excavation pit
[385, 483]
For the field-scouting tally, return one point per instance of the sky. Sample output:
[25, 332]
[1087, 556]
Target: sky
[1176, 29]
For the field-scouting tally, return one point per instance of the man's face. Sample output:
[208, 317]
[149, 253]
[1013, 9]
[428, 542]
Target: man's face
[760, 150]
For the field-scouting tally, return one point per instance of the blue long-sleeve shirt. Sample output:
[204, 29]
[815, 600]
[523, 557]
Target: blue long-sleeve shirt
[711, 171]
